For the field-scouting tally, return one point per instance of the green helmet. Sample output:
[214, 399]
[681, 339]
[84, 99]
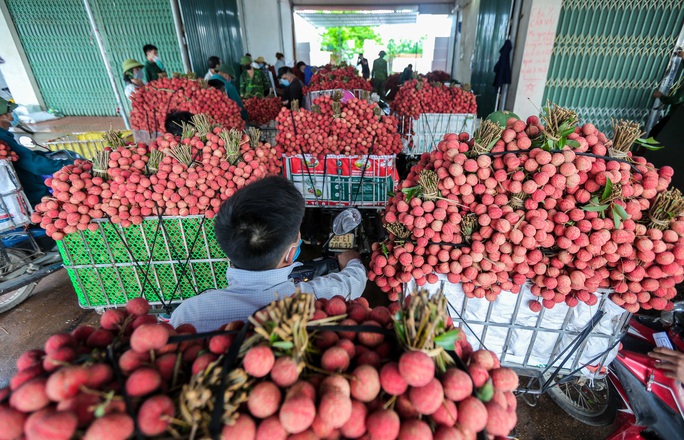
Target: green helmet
[225, 68]
[245, 60]
[130, 64]
[7, 106]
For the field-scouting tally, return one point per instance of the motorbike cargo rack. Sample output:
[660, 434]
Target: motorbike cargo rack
[551, 346]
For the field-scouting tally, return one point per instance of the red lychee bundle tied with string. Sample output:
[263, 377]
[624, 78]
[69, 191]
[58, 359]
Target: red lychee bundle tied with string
[151, 103]
[299, 368]
[545, 202]
[333, 77]
[175, 176]
[261, 111]
[354, 127]
[7, 153]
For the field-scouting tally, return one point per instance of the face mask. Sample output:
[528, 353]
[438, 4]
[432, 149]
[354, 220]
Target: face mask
[261, 65]
[15, 120]
[285, 82]
[138, 75]
[299, 250]
[156, 59]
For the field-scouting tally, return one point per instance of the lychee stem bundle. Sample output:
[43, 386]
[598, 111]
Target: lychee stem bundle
[667, 205]
[486, 136]
[114, 139]
[283, 324]
[625, 134]
[558, 119]
[424, 319]
[101, 163]
[197, 399]
[254, 136]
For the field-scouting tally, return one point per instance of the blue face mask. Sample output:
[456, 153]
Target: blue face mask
[15, 120]
[299, 251]
[285, 82]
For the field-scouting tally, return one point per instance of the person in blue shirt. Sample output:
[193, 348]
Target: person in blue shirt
[225, 74]
[258, 229]
[307, 71]
[31, 165]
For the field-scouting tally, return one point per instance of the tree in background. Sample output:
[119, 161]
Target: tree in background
[404, 47]
[347, 41]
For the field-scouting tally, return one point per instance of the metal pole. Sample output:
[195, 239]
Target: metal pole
[105, 60]
[178, 24]
[512, 35]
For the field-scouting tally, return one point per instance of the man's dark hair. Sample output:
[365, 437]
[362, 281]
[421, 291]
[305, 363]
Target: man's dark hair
[248, 55]
[214, 62]
[301, 64]
[283, 70]
[257, 225]
[217, 84]
[149, 48]
[410, 65]
[279, 55]
[174, 122]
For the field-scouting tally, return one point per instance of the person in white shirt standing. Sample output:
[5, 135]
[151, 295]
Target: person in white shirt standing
[214, 63]
[258, 229]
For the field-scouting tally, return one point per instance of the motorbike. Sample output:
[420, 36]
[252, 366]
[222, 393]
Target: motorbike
[653, 403]
[27, 255]
[631, 393]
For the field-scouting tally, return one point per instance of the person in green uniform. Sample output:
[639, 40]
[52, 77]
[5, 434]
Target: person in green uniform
[225, 74]
[379, 74]
[253, 82]
[31, 165]
[153, 67]
[674, 99]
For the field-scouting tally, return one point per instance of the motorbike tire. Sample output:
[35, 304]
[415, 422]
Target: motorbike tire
[16, 297]
[594, 405]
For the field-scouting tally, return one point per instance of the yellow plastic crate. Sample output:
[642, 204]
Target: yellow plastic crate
[86, 144]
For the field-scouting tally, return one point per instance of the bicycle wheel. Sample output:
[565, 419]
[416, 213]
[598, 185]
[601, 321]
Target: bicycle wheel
[16, 297]
[591, 402]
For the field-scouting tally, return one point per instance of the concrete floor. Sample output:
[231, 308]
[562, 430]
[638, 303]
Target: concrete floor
[53, 308]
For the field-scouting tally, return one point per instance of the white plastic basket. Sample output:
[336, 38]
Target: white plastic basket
[532, 342]
[15, 209]
[423, 134]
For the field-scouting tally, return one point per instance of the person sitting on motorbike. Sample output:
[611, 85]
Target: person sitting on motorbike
[31, 166]
[258, 229]
[672, 362]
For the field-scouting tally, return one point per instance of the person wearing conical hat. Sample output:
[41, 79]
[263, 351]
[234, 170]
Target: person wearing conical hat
[133, 76]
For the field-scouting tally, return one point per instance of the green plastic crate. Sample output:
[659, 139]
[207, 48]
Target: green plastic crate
[165, 261]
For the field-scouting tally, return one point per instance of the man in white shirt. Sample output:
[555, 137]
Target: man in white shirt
[214, 63]
[258, 229]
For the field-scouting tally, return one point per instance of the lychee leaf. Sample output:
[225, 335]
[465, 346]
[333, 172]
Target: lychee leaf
[616, 219]
[486, 391]
[283, 345]
[385, 251]
[597, 208]
[572, 143]
[100, 411]
[448, 339]
[412, 192]
[608, 190]
[621, 211]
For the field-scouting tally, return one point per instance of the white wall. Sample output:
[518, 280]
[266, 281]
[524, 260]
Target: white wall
[533, 50]
[16, 69]
[466, 47]
[268, 29]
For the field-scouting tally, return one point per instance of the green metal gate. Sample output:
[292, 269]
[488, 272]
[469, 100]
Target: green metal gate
[63, 54]
[609, 56]
[127, 25]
